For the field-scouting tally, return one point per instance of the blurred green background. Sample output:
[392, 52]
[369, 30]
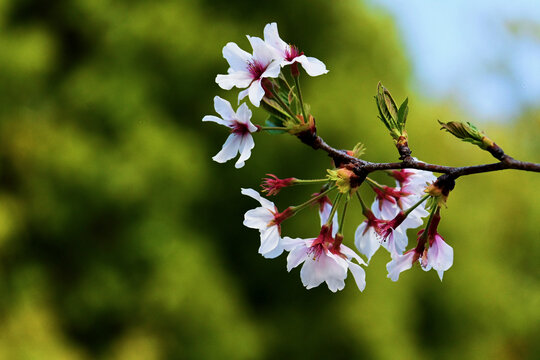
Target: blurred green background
[120, 238]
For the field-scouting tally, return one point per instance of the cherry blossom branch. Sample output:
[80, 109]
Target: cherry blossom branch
[341, 158]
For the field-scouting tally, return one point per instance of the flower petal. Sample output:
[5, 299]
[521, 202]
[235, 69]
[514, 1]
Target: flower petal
[256, 93]
[237, 58]
[367, 242]
[272, 71]
[243, 115]
[297, 256]
[269, 239]
[359, 275]
[326, 268]
[271, 37]
[313, 66]
[399, 264]
[258, 218]
[267, 204]
[245, 150]
[224, 108]
[262, 53]
[240, 79]
[229, 149]
[440, 255]
[290, 244]
[215, 119]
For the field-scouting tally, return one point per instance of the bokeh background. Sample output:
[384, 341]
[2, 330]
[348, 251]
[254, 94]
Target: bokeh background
[121, 239]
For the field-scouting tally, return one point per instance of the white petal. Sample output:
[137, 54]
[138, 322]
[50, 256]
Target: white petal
[289, 244]
[325, 213]
[237, 58]
[274, 253]
[262, 53]
[243, 114]
[296, 257]
[272, 71]
[229, 149]
[224, 108]
[325, 268]
[313, 66]
[350, 254]
[269, 239]
[440, 255]
[256, 93]
[267, 204]
[215, 119]
[359, 275]
[258, 218]
[398, 264]
[271, 37]
[242, 94]
[240, 79]
[367, 243]
[245, 150]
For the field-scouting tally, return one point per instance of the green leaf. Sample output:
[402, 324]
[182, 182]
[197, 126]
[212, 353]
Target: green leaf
[273, 121]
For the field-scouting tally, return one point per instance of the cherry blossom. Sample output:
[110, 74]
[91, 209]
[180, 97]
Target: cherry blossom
[267, 219]
[439, 256]
[324, 259]
[289, 54]
[247, 71]
[240, 140]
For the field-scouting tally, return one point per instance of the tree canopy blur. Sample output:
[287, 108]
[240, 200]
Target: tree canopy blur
[121, 239]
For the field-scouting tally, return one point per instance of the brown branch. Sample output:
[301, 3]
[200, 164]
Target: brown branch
[362, 167]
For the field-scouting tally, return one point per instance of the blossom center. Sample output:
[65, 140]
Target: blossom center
[292, 52]
[256, 69]
[240, 128]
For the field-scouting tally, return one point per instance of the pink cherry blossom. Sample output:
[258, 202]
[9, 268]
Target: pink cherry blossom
[289, 54]
[247, 71]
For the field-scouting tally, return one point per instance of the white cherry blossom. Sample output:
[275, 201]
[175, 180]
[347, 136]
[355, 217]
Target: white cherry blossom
[440, 256]
[322, 263]
[240, 140]
[289, 54]
[267, 219]
[247, 70]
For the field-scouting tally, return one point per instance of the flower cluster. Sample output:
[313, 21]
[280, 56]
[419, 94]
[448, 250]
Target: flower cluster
[415, 196]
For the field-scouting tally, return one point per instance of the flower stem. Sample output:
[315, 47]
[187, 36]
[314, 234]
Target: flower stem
[282, 104]
[373, 183]
[409, 210]
[343, 216]
[299, 92]
[335, 205]
[310, 181]
[314, 199]
[365, 209]
[269, 128]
